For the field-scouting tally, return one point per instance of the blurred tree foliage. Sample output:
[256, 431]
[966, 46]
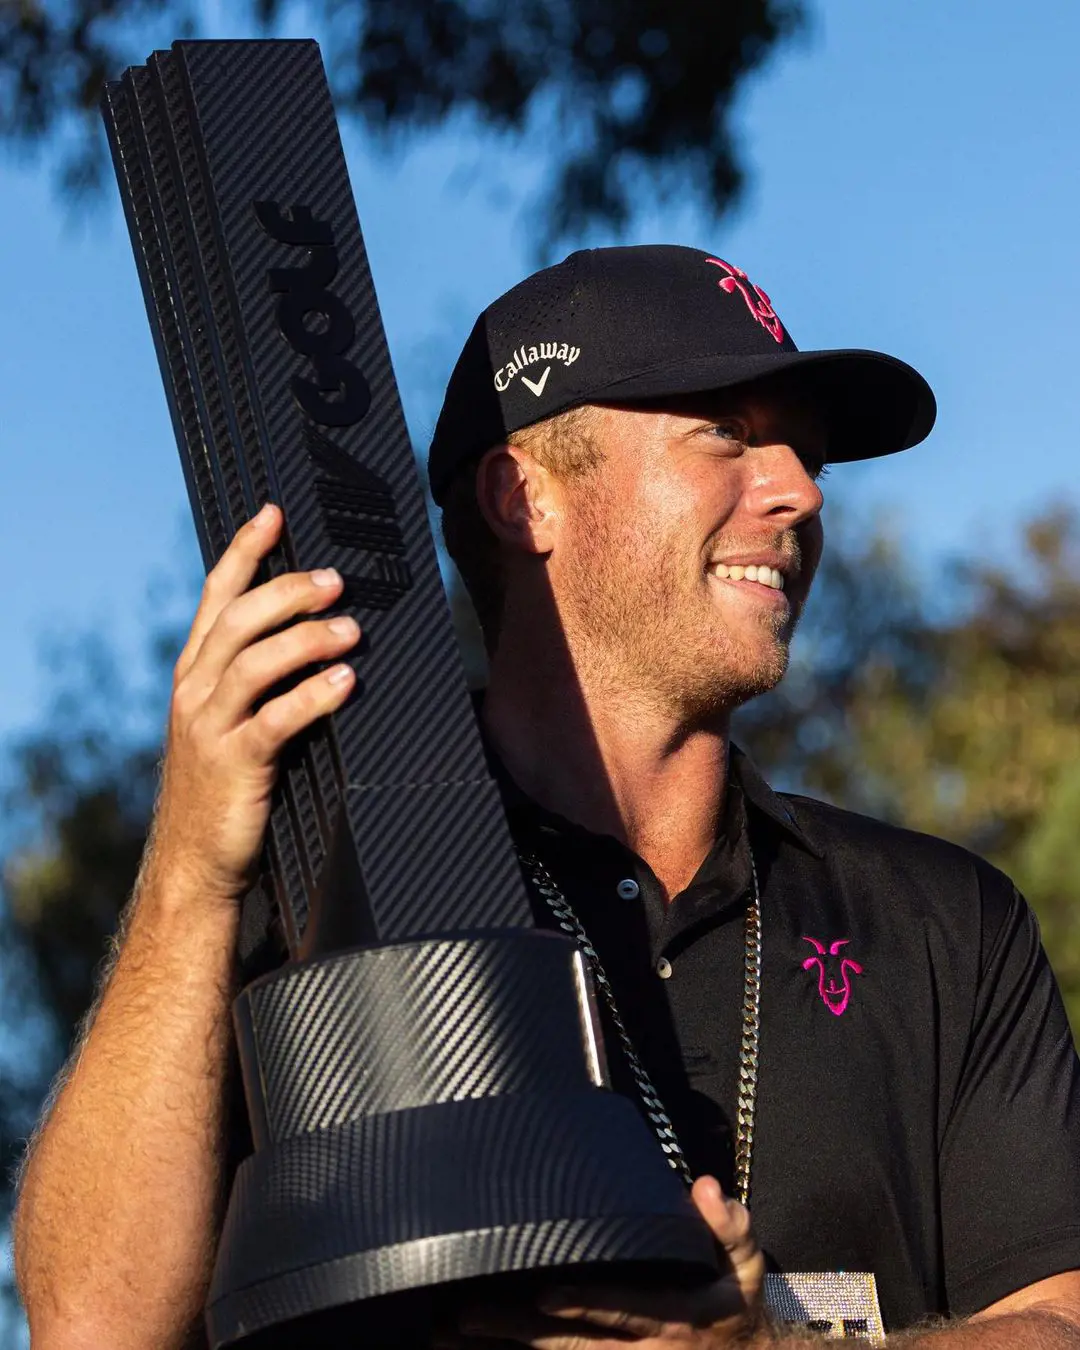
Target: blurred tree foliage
[992, 757]
[626, 96]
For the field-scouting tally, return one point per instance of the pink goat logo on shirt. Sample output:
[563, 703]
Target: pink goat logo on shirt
[834, 984]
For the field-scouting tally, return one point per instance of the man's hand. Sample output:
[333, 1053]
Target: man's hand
[222, 750]
[728, 1312]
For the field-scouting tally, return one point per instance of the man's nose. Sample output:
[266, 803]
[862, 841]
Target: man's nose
[782, 487]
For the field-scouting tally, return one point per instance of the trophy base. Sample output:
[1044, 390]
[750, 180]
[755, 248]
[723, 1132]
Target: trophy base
[379, 1224]
[400, 1216]
[421, 1318]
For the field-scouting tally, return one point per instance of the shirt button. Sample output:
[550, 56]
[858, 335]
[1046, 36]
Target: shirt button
[663, 968]
[628, 889]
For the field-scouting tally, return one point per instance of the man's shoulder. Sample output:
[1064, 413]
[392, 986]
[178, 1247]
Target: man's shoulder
[925, 863]
[822, 820]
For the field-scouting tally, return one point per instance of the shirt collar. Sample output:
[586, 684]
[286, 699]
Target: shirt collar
[741, 769]
[762, 798]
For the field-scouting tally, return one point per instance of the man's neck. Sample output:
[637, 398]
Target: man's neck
[610, 760]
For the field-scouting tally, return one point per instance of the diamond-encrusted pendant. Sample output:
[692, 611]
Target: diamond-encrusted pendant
[837, 1304]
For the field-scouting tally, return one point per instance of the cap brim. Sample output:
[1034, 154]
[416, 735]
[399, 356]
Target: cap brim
[873, 404]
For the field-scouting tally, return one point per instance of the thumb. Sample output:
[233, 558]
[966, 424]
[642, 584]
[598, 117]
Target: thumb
[729, 1223]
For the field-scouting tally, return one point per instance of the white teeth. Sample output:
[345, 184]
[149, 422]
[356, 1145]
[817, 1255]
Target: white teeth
[764, 576]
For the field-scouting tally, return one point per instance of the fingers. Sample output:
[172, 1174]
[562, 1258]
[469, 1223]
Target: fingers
[640, 1313]
[708, 1196]
[231, 576]
[731, 1227]
[259, 667]
[646, 1314]
[288, 714]
[525, 1327]
[610, 1309]
[222, 748]
[250, 616]
[580, 1318]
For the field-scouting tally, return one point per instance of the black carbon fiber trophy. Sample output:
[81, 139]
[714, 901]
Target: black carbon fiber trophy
[424, 1077]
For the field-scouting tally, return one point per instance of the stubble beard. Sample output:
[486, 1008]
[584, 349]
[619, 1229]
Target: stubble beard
[638, 625]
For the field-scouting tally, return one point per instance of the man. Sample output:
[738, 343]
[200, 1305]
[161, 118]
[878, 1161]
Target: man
[850, 1025]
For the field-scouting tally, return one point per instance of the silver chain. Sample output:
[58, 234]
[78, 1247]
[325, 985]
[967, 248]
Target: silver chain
[751, 1028]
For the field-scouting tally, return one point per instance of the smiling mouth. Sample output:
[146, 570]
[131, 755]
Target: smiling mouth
[761, 576]
[762, 591]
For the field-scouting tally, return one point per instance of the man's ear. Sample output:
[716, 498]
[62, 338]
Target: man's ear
[518, 498]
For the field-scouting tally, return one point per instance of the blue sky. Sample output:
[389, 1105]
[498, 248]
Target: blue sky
[915, 186]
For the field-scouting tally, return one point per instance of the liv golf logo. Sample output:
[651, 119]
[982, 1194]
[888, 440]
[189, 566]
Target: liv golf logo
[532, 356]
[356, 507]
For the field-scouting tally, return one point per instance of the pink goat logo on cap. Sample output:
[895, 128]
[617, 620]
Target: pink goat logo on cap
[757, 302]
[833, 986]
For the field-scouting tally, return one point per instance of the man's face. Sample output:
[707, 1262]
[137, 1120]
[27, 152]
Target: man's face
[649, 569]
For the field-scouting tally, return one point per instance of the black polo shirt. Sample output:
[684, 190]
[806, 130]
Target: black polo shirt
[918, 1110]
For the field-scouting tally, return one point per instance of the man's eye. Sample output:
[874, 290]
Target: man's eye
[730, 431]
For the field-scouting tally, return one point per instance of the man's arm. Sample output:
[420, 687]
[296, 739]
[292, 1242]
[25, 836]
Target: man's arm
[118, 1208]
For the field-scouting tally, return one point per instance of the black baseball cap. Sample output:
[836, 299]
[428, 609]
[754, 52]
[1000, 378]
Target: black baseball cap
[622, 325]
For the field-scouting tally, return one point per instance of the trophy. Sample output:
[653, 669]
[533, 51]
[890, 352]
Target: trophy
[424, 1076]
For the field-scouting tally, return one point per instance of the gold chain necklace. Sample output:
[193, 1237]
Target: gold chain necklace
[751, 1027]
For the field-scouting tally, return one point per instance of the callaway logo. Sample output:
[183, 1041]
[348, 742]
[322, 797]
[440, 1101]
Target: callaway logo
[531, 356]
